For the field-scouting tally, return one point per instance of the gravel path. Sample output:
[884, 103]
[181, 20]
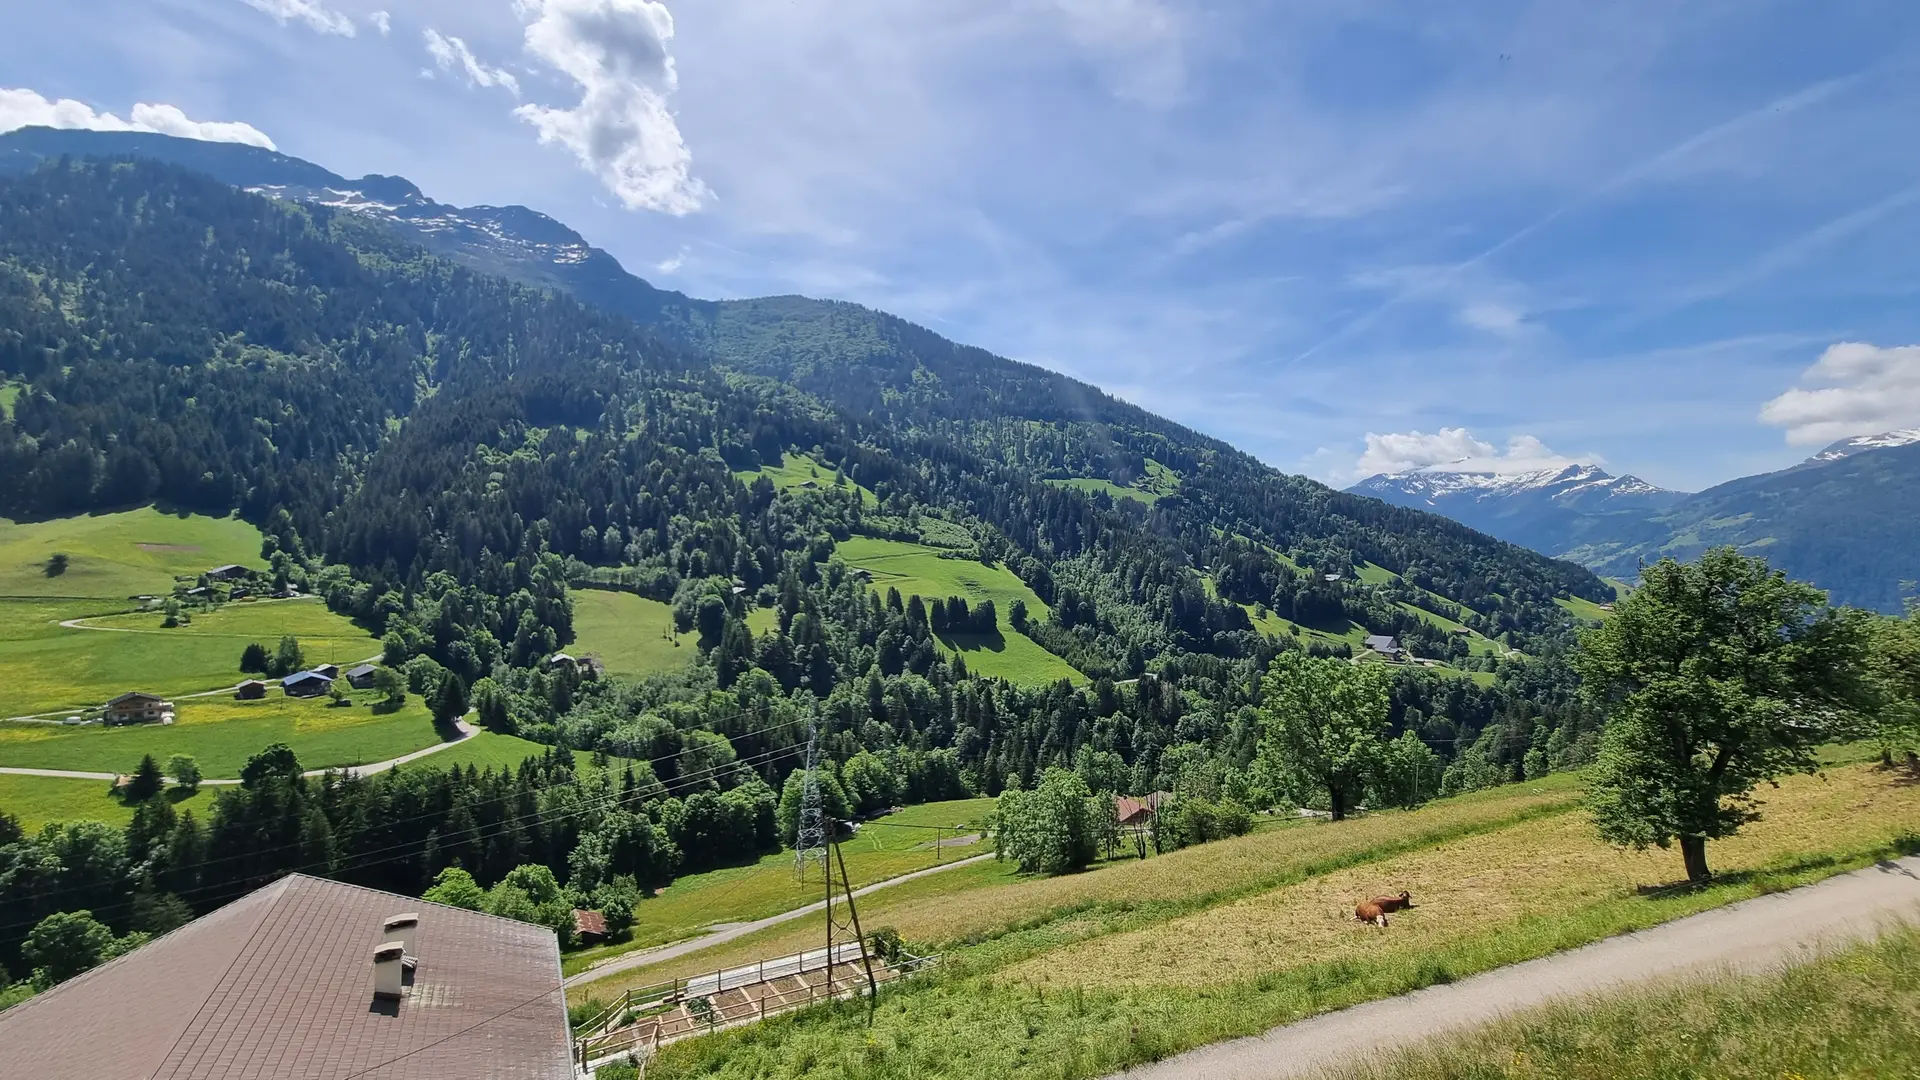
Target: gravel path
[1751, 936]
[644, 957]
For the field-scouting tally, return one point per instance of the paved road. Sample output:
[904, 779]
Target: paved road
[467, 731]
[660, 954]
[1751, 936]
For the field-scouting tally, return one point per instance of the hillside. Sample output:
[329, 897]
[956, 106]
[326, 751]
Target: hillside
[1838, 521]
[445, 457]
[1547, 510]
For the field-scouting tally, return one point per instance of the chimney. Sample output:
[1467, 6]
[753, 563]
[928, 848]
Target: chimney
[404, 929]
[387, 968]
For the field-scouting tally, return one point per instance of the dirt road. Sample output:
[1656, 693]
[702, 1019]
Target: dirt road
[1751, 936]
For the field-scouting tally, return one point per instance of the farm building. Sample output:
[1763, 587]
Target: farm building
[361, 677]
[305, 684]
[589, 926]
[330, 671]
[229, 572]
[135, 707]
[308, 977]
[561, 659]
[1385, 645]
[1133, 812]
[251, 690]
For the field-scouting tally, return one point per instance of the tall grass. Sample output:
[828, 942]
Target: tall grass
[987, 904]
[1850, 1014]
[991, 1011]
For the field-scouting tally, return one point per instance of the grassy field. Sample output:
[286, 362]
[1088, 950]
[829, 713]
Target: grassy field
[9, 393]
[37, 800]
[796, 470]
[222, 733]
[882, 849]
[1158, 482]
[44, 666]
[628, 633]
[915, 569]
[1848, 1014]
[115, 556]
[1078, 976]
[1583, 609]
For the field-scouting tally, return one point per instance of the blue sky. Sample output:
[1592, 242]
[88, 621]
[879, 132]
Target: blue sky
[1526, 232]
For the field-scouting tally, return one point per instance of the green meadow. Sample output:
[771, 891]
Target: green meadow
[629, 634]
[798, 470]
[223, 733]
[37, 800]
[918, 570]
[1158, 482]
[887, 847]
[45, 666]
[114, 556]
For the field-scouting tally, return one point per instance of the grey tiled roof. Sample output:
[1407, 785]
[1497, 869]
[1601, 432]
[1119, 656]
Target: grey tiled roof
[280, 984]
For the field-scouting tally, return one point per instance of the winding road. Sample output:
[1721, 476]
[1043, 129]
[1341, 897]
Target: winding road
[1750, 937]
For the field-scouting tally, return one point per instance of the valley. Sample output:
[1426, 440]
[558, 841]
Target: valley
[650, 589]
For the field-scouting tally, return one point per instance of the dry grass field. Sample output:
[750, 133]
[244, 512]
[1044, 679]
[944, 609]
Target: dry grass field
[1076, 977]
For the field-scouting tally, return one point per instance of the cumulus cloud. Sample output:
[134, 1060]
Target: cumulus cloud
[317, 16]
[25, 108]
[452, 54]
[381, 21]
[1853, 389]
[622, 130]
[1455, 450]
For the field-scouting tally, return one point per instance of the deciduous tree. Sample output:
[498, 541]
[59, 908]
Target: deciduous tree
[1717, 676]
[1323, 720]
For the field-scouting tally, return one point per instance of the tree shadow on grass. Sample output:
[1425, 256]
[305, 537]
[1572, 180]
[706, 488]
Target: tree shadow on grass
[995, 642]
[1766, 878]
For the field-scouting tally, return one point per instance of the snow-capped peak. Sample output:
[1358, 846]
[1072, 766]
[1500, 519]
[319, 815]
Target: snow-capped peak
[1581, 484]
[1862, 443]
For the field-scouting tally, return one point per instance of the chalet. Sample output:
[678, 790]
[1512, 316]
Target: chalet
[561, 659]
[239, 592]
[589, 926]
[861, 573]
[1136, 813]
[135, 707]
[1332, 577]
[1385, 645]
[361, 677]
[305, 684]
[329, 671]
[1463, 631]
[251, 690]
[313, 978]
[229, 572]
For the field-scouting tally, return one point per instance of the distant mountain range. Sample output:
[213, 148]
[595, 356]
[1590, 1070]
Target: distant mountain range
[1841, 519]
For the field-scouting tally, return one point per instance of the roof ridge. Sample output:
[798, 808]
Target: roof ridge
[413, 899]
[54, 991]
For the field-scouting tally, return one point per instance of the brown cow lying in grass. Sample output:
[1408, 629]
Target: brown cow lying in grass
[1375, 910]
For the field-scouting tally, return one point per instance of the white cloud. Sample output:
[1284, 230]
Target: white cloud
[622, 130]
[317, 16]
[1455, 450]
[451, 54]
[1853, 389]
[1140, 38]
[673, 263]
[1495, 318]
[25, 108]
[381, 21]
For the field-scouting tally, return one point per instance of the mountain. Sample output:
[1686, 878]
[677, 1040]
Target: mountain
[1835, 519]
[905, 378]
[1862, 443]
[1548, 510]
[1842, 519]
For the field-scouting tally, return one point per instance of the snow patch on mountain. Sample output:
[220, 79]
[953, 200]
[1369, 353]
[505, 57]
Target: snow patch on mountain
[1862, 443]
[1582, 483]
[513, 232]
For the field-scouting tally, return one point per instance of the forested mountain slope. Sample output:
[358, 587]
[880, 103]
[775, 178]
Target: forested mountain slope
[1841, 522]
[446, 456]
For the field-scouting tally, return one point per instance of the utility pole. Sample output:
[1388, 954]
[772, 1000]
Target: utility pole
[810, 840]
[838, 929]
